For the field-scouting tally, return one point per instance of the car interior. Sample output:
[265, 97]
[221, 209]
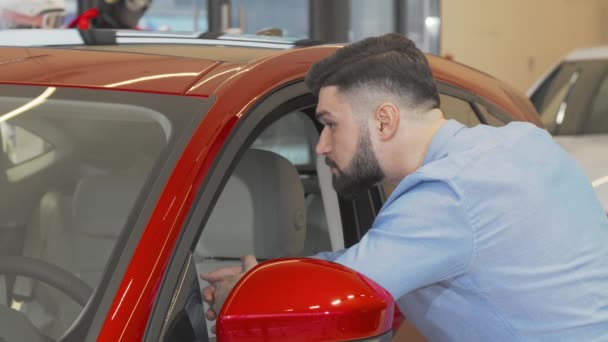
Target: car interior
[71, 173]
[275, 203]
[74, 171]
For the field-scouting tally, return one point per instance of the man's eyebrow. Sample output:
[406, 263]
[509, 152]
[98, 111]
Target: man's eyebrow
[320, 114]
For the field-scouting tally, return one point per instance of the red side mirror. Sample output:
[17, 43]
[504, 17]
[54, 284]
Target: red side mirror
[305, 300]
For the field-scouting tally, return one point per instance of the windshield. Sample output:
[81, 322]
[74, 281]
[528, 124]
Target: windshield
[73, 165]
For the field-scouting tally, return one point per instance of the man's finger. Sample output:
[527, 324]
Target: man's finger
[208, 292]
[211, 314]
[249, 262]
[220, 273]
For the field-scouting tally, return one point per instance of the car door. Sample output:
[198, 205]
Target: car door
[282, 124]
[236, 207]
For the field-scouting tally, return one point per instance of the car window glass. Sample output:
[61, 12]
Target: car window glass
[21, 145]
[276, 203]
[459, 110]
[297, 146]
[566, 98]
[544, 89]
[551, 108]
[75, 161]
[552, 86]
[598, 116]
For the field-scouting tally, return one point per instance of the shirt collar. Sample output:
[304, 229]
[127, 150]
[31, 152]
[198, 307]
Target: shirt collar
[436, 149]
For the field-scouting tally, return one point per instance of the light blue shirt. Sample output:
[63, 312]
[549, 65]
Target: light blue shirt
[498, 236]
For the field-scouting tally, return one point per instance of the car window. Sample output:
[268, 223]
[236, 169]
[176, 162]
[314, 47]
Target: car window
[545, 88]
[598, 114]
[176, 15]
[293, 137]
[459, 110]
[492, 119]
[551, 97]
[278, 201]
[567, 98]
[76, 161]
[242, 16]
[553, 111]
[20, 145]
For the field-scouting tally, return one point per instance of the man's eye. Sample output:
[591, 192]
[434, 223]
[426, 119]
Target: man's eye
[330, 125]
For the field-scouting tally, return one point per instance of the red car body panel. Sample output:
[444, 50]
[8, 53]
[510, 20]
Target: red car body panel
[237, 87]
[92, 69]
[83, 21]
[129, 313]
[214, 78]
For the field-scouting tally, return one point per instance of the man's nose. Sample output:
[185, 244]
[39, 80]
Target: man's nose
[323, 146]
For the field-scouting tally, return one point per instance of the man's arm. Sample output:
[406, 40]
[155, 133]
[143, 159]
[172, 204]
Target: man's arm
[329, 256]
[420, 237]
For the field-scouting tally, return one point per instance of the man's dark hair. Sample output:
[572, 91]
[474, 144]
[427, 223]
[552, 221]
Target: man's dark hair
[390, 62]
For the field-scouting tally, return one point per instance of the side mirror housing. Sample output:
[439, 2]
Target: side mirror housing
[305, 300]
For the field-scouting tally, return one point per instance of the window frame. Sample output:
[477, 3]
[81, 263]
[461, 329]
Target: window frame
[474, 111]
[289, 98]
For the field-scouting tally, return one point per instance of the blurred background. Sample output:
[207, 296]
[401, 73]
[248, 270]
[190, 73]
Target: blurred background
[536, 46]
[516, 41]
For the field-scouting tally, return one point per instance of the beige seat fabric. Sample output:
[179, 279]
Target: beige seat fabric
[260, 211]
[78, 234]
[51, 311]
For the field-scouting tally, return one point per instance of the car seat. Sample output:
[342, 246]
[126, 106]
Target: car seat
[76, 232]
[261, 210]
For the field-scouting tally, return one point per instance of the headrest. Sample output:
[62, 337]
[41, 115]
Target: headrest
[102, 203]
[330, 204]
[260, 211]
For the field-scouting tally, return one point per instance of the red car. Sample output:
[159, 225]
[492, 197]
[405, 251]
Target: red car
[132, 161]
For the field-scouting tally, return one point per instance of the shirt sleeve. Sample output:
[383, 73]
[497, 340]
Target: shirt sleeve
[420, 237]
[328, 256]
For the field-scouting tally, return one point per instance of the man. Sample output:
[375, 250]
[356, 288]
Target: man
[492, 234]
[112, 14]
[20, 14]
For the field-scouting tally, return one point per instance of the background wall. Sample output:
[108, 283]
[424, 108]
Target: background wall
[518, 40]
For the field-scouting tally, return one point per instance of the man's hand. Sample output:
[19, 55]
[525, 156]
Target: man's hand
[221, 282]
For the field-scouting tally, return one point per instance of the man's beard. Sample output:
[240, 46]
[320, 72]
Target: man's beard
[361, 174]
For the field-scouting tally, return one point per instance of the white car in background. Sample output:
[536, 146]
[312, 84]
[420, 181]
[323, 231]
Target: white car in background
[572, 99]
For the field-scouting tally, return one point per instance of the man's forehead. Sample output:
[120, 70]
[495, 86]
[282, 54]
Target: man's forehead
[329, 92]
[330, 100]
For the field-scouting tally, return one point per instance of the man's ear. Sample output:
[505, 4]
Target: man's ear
[386, 120]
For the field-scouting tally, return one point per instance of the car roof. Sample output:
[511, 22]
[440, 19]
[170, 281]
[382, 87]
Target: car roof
[194, 64]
